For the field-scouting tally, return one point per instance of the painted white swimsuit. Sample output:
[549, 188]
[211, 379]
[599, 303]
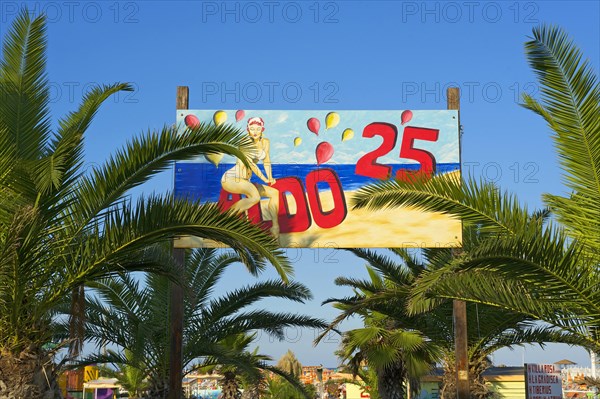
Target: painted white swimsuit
[235, 172]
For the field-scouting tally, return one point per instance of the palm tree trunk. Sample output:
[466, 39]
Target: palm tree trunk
[77, 327]
[76, 321]
[477, 387]
[29, 374]
[252, 391]
[390, 381]
[230, 386]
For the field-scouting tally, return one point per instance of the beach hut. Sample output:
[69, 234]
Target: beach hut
[565, 362]
[104, 388]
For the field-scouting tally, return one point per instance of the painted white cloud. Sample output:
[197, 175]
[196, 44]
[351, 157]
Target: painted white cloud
[296, 157]
[281, 146]
[449, 153]
[287, 134]
[348, 158]
[282, 118]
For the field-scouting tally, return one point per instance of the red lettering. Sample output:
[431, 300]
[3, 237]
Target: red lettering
[367, 165]
[226, 201]
[300, 220]
[332, 218]
[288, 222]
[425, 158]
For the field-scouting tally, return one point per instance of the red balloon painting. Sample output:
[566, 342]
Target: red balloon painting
[192, 121]
[239, 115]
[406, 116]
[324, 152]
[314, 125]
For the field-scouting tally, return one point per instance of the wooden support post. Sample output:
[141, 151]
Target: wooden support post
[459, 308]
[176, 303]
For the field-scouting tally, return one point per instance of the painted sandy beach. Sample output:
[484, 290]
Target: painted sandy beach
[392, 227]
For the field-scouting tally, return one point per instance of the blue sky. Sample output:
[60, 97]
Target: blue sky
[327, 55]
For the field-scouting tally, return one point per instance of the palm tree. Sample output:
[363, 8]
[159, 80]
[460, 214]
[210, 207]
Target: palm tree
[288, 385]
[131, 316]
[277, 388]
[234, 376]
[266, 382]
[392, 343]
[397, 355]
[61, 228]
[290, 364]
[545, 272]
[388, 293]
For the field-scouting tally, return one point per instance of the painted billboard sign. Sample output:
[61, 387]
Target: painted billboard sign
[308, 164]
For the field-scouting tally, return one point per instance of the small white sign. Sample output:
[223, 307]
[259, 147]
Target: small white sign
[542, 381]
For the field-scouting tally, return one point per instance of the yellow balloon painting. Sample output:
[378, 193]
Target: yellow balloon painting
[331, 120]
[219, 117]
[348, 134]
[215, 159]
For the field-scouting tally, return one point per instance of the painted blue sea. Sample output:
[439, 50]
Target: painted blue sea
[202, 181]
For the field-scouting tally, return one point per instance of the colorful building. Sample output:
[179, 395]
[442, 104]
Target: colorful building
[205, 386]
[508, 382]
[103, 388]
[310, 374]
[71, 381]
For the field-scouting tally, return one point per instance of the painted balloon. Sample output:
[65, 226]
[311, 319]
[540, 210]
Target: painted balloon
[406, 116]
[239, 115]
[324, 152]
[219, 117]
[314, 125]
[347, 134]
[192, 121]
[297, 141]
[215, 159]
[331, 120]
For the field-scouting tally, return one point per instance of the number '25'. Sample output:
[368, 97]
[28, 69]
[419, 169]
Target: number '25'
[368, 166]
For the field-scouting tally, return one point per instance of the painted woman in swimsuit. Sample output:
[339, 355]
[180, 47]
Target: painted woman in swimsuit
[237, 179]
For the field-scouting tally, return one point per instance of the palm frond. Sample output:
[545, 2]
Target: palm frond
[512, 294]
[24, 89]
[240, 298]
[145, 156]
[124, 313]
[291, 379]
[128, 232]
[60, 165]
[386, 266]
[570, 103]
[539, 335]
[475, 203]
